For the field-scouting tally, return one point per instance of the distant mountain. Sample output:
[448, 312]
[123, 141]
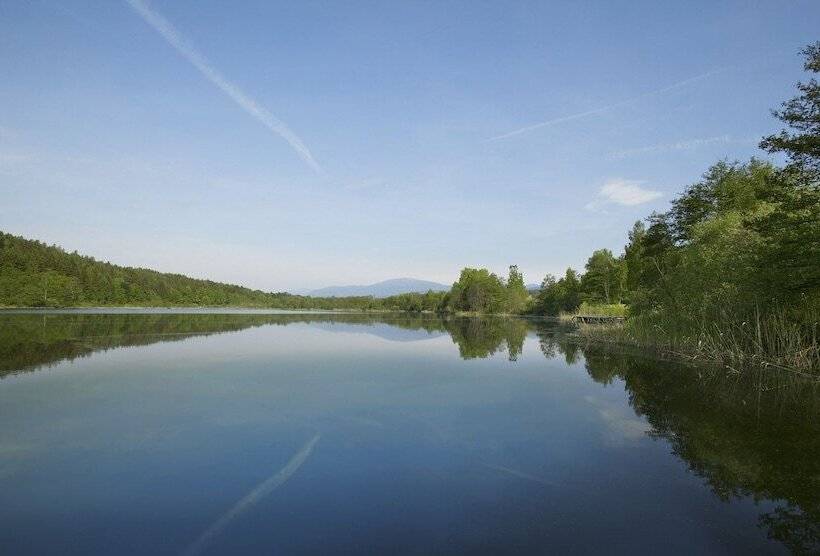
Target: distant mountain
[381, 289]
[533, 287]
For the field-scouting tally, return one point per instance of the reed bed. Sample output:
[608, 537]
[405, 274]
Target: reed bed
[780, 339]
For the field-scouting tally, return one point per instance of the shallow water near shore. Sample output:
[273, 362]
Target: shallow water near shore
[203, 432]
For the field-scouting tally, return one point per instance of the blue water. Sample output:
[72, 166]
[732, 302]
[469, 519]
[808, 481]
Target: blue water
[311, 434]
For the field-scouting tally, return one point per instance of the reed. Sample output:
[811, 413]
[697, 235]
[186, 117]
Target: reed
[782, 338]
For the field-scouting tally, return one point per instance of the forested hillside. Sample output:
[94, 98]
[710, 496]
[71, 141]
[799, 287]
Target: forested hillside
[33, 274]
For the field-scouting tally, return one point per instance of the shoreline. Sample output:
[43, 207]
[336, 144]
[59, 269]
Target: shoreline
[734, 360]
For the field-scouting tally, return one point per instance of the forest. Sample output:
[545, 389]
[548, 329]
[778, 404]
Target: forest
[33, 274]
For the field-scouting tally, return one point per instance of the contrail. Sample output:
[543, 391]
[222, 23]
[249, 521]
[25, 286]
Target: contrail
[521, 474]
[260, 491]
[580, 115]
[176, 40]
[527, 477]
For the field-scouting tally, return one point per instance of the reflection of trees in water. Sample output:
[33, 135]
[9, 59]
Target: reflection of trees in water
[554, 341]
[479, 337]
[756, 434]
[31, 340]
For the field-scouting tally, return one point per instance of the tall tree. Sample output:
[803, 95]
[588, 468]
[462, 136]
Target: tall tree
[633, 260]
[517, 294]
[791, 229]
[478, 290]
[563, 295]
[802, 114]
[602, 280]
[570, 290]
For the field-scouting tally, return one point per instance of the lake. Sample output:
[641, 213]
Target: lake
[202, 432]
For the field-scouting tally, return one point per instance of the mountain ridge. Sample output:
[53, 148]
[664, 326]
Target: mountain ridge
[385, 288]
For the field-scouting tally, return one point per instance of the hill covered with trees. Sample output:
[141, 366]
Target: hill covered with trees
[33, 274]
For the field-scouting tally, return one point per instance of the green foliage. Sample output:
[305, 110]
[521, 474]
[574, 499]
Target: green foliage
[789, 235]
[517, 295]
[732, 270]
[33, 274]
[633, 260]
[699, 256]
[415, 302]
[802, 115]
[478, 290]
[601, 309]
[562, 296]
[603, 279]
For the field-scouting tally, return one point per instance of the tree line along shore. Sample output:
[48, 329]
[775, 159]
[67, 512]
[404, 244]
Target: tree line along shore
[731, 272]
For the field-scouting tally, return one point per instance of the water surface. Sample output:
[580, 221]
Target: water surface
[219, 433]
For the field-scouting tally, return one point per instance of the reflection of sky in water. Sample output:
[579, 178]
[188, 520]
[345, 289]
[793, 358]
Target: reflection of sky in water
[621, 421]
[382, 330]
[141, 449]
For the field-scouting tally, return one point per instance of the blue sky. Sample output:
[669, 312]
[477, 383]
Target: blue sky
[300, 144]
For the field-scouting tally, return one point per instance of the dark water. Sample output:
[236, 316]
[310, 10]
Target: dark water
[313, 434]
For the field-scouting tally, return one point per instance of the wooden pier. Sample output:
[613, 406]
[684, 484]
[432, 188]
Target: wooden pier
[597, 319]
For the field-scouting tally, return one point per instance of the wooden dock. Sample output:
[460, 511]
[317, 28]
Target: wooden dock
[597, 319]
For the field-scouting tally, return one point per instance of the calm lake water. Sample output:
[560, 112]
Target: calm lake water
[217, 433]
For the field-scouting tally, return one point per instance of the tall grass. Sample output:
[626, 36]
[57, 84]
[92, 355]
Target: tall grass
[596, 310]
[601, 310]
[782, 338]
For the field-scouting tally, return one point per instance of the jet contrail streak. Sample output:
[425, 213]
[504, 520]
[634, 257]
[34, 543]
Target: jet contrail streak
[521, 474]
[260, 491]
[580, 115]
[246, 103]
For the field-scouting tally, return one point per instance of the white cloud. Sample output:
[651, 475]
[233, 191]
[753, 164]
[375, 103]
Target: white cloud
[626, 192]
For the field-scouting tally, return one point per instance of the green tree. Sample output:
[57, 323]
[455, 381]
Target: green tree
[478, 290]
[570, 290]
[547, 300]
[517, 294]
[563, 295]
[791, 229]
[602, 280]
[633, 261]
[802, 114]
[699, 256]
